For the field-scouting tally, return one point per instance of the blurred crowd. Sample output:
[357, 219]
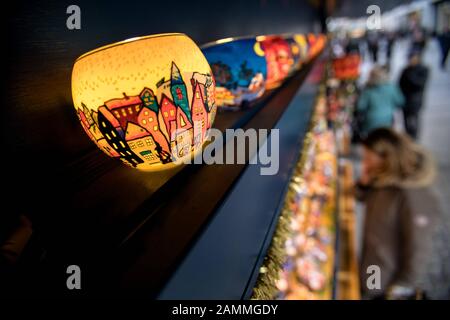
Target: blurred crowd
[406, 233]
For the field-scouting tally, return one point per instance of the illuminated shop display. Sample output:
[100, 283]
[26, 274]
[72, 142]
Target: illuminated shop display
[301, 256]
[312, 44]
[278, 57]
[239, 69]
[147, 101]
[322, 40]
[302, 42]
[316, 43]
[299, 50]
[347, 67]
[307, 271]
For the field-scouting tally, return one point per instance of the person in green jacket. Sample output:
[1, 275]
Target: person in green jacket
[378, 102]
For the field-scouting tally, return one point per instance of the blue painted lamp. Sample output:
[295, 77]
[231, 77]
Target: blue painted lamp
[239, 69]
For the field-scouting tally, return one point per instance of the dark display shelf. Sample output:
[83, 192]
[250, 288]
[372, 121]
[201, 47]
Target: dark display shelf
[142, 226]
[224, 261]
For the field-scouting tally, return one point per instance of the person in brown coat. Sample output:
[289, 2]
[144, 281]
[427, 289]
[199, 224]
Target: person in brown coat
[406, 234]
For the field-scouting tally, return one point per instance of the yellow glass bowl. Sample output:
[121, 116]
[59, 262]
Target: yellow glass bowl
[147, 101]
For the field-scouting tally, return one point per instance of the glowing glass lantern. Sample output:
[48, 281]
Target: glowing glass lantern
[147, 101]
[297, 50]
[278, 58]
[239, 69]
[322, 40]
[316, 44]
[312, 45]
[301, 41]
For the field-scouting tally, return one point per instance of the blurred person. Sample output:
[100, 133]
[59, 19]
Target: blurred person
[444, 43]
[337, 46]
[378, 102]
[352, 46]
[412, 83]
[406, 234]
[372, 45]
[418, 39]
[390, 40]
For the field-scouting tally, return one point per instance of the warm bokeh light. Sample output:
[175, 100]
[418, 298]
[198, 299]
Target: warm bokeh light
[316, 44]
[303, 45]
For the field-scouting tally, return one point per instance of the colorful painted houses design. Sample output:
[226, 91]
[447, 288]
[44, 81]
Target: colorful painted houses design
[154, 127]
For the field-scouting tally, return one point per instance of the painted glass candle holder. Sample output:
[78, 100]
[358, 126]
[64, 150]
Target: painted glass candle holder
[311, 37]
[302, 43]
[239, 69]
[278, 58]
[316, 43]
[147, 101]
[298, 47]
[322, 40]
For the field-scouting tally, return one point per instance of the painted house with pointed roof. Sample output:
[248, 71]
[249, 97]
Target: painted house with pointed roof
[183, 122]
[104, 145]
[178, 91]
[169, 114]
[141, 143]
[208, 85]
[149, 99]
[111, 129]
[125, 109]
[84, 123]
[182, 145]
[148, 119]
[92, 130]
[199, 114]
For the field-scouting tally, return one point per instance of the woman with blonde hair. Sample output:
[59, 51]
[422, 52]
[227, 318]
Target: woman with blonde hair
[378, 102]
[406, 234]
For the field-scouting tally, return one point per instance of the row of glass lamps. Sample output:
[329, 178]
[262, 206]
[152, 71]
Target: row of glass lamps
[150, 101]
